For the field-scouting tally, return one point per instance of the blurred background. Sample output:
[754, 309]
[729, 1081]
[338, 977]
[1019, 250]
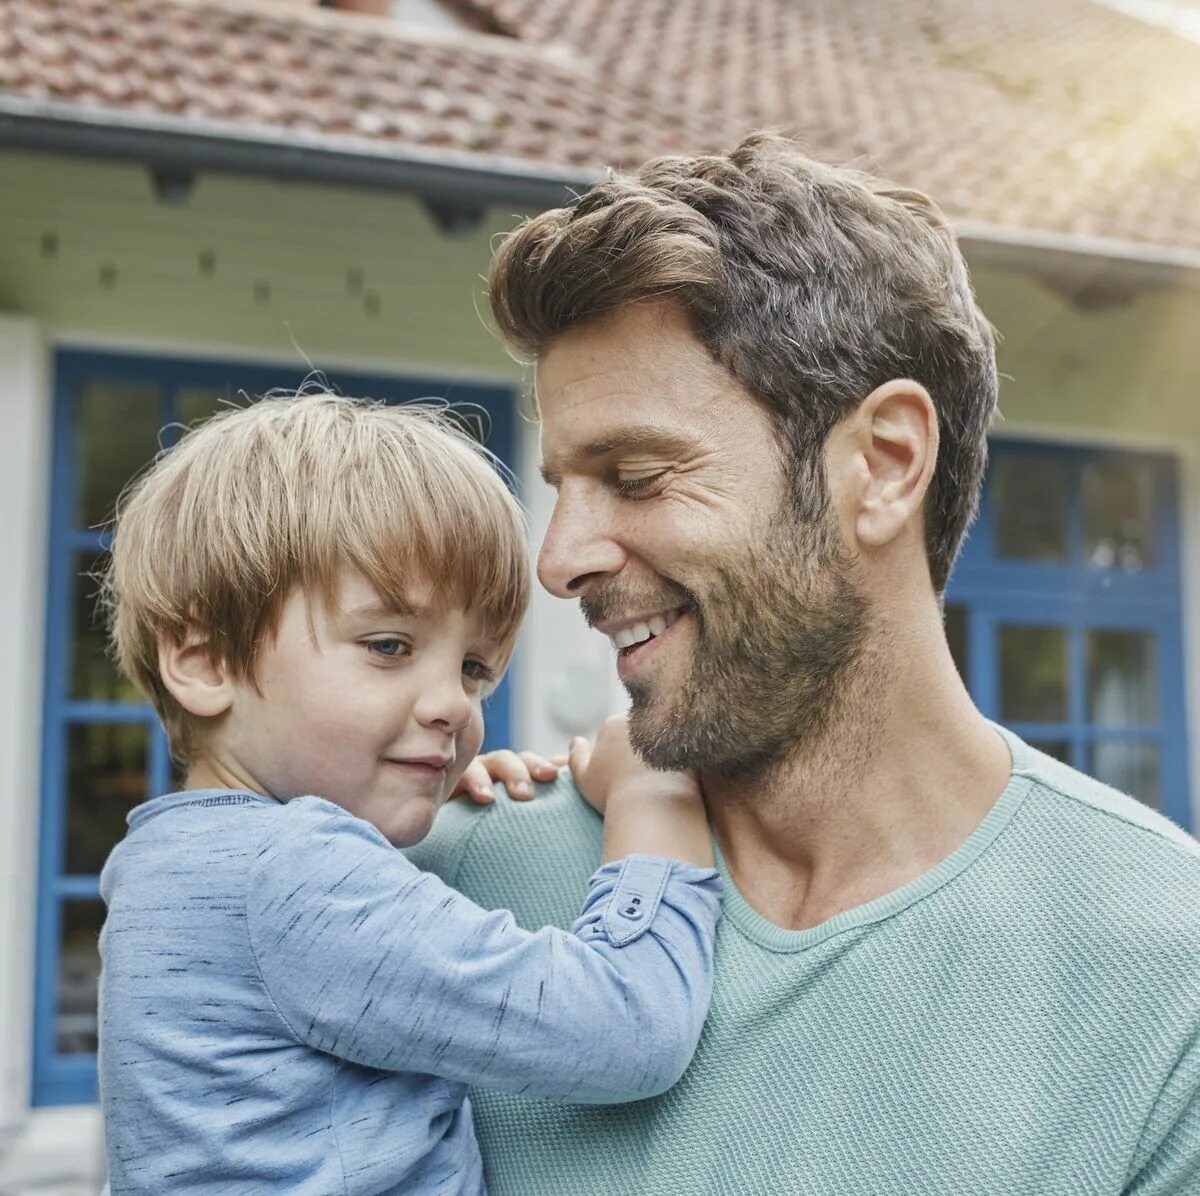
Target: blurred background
[200, 198]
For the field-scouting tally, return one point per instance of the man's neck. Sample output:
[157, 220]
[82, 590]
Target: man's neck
[904, 772]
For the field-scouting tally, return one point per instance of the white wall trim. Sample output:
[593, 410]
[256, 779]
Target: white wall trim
[60, 1152]
[1187, 453]
[25, 412]
[66, 338]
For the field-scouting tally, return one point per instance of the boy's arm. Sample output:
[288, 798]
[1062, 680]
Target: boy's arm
[645, 810]
[371, 960]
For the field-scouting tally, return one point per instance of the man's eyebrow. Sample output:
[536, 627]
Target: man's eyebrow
[646, 437]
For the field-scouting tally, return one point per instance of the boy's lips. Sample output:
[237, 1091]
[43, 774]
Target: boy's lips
[427, 765]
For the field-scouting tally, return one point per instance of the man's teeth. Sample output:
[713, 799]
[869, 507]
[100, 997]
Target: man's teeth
[640, 632]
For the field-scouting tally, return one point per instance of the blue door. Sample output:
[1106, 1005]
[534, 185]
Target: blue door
[1065, 613]
[103, 750]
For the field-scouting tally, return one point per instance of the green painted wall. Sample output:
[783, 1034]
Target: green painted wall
[1130, 368]
[356, 275]
[86, 248]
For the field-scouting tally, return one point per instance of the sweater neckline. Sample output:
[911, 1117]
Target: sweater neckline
[780, 940]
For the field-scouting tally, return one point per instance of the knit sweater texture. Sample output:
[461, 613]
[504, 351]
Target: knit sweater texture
[1023, 1019]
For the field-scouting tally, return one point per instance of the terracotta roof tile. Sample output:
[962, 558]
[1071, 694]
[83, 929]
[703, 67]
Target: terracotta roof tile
[1055, 115]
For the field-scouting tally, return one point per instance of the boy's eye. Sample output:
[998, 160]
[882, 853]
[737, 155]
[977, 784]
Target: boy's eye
[476, 670]
[388, 646]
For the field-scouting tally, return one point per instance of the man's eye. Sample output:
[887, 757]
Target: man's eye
[389, 647]
[632, 487]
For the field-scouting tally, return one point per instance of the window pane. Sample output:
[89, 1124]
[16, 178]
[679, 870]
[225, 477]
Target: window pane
[1033, 674]
[78, 974]
[194, 404]
[106, 778]
[956, 637]
[94, 676]
[116, 434]
[1030, 500]
[1118, 515]
[1060, 749]
[1122, 678]
[1133, 768]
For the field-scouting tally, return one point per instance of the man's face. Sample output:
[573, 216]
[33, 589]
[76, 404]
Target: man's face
[674, 527]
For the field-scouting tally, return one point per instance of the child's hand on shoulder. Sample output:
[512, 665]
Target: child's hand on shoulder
[611, 770]
[516, 771]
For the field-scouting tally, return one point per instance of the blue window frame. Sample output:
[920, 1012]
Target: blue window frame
[1065, 613]
[103, 750]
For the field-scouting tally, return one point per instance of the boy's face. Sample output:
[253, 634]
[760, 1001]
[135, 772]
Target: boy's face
[374, 710]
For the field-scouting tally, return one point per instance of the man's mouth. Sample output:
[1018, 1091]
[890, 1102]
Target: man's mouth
[632, 635]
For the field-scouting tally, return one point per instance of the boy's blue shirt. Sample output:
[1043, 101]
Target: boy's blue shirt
[288, 1004]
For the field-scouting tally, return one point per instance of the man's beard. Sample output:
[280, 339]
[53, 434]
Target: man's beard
[778, 633]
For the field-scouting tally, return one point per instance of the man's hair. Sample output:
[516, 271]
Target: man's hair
[811, 284]
[288, 492]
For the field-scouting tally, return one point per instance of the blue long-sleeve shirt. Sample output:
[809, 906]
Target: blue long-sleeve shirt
[288, 1004]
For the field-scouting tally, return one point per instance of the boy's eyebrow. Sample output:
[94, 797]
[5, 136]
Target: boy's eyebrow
[639, 436]
[382, 610]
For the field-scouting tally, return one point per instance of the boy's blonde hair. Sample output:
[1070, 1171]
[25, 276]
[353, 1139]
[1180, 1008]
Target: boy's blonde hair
[288, 492]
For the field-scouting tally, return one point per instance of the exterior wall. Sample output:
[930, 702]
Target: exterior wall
[24, 412]
[1129, 371]
[284, 273]
[280, 271]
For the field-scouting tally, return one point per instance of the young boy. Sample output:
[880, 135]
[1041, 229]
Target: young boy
[317, 595]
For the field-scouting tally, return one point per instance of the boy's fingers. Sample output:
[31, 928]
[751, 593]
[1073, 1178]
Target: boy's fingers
[578, 756]
[539, 767]
[511, 771]
[476, 784]
[558, 761]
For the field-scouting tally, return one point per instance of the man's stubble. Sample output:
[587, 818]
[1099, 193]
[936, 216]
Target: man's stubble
[780, 632]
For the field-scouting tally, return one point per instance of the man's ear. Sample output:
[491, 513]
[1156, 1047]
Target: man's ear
[895, 436]
[201, 685]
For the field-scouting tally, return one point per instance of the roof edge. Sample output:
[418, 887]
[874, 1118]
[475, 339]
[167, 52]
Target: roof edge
[172, 143]
[1078, 256]
[165, 142]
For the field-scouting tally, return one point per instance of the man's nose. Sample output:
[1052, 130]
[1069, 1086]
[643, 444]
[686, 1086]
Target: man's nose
[579, 546]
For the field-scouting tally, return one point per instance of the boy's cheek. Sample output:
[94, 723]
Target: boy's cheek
[455, 772]
[470, 740]
[408, 826]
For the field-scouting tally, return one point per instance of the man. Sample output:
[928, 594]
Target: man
[948, 964]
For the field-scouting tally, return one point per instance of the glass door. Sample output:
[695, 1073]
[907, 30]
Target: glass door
[103, 750]
[1065, 616]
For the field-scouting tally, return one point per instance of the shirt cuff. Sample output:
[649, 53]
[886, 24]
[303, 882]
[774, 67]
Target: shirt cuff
[631, 891]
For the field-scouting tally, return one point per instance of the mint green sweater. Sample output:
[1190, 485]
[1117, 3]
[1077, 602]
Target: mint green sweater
[1023, 1019]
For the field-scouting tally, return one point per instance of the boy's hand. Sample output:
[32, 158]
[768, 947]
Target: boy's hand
[611, 767]
[516, 771]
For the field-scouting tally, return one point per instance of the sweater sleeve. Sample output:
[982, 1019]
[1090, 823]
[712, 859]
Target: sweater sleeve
[371, 960]
[1171, 1140]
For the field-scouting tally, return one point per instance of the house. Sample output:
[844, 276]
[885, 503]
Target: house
[205, 197]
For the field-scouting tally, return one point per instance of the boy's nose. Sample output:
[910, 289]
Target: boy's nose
[444, 704]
